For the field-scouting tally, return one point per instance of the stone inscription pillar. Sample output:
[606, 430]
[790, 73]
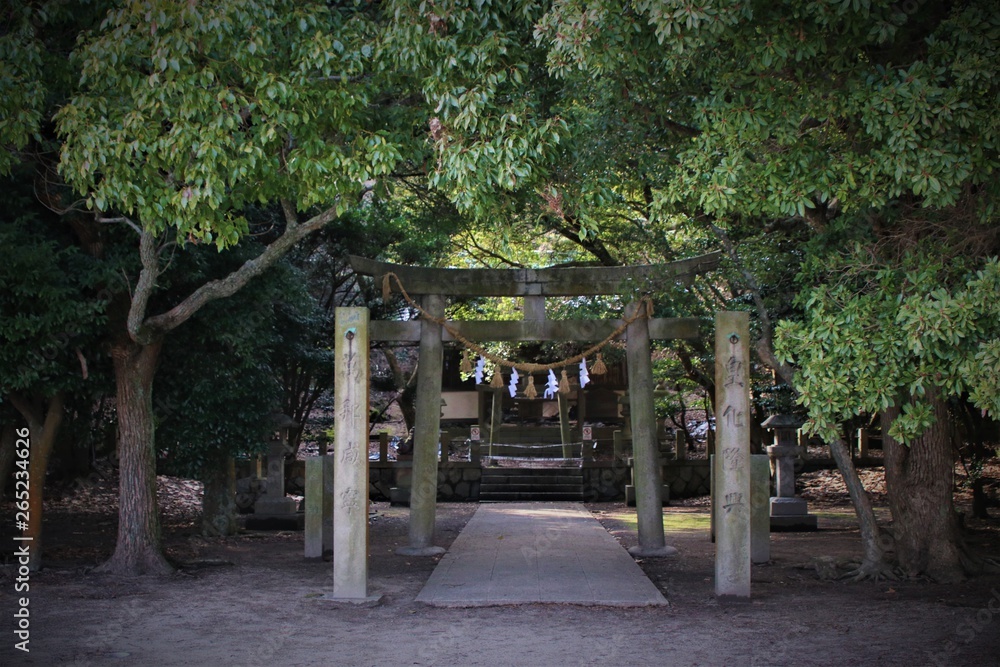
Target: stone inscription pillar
[350, 489]
[732, 456]
[647, 475]
[760, 515]
[319, 506]
[426, 434]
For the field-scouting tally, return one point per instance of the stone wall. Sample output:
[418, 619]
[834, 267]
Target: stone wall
[457, 481]
[605, 482]
[687, 479]
[602, 481]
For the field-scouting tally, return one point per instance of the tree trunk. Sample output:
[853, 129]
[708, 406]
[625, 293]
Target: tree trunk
[919, 481]
[873, 555]
[8, 436]
[42, 443]
[218, 506]
[138, 550]
[44, 416]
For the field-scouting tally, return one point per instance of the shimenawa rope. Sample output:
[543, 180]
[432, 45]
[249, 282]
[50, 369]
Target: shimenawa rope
[645, 309]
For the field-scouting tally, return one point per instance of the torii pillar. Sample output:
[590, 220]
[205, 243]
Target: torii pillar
[426, 434]
[645, 452]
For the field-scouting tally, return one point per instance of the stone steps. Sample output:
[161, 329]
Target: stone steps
[520, 484]
[508, 496]
[533, 479]
[525, 488]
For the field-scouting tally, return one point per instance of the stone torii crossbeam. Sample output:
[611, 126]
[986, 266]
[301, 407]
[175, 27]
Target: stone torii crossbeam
[430, 286]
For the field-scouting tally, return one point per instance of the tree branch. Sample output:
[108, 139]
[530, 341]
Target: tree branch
[679, 128]
[571, 231]
[339, 78]
[490, 253]
[765, 345]
[150, 257]
[873, 554]
[291, 215]
[692, 370]
[218, 289]
[127, 221]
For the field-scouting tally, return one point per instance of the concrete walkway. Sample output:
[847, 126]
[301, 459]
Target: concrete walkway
[516, 553]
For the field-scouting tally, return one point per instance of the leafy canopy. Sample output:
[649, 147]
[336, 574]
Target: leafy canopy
[799, 105]
[21, 88]
[861, 350]
[48, 310]
[189, 112]
[490, 126]
[871, 121]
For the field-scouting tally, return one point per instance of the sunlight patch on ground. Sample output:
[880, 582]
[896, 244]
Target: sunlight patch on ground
[691, 520]
[673, 521]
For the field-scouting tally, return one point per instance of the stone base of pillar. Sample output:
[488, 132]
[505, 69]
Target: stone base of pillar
[659, 552]
[318, 505]
[630, 495]
[275, 506]
[760, 516]
[790, 515]
[420, 551]
[789, 507]
[793, 524]
[276, 521]
[372, 600]
[275, 514]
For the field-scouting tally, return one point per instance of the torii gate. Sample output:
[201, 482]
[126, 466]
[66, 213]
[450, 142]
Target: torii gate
[534, 285]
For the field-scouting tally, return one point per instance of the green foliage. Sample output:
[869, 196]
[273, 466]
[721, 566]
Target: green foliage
[490, 126]
[217, 383]
[801, 105]
[48, 306]
[21, 87]
[36, 37]
[669, 375]
[189, 112]
[862, 350]
[634, 119]
[758, 113]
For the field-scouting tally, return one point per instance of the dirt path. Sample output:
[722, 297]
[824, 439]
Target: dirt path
[263, 609]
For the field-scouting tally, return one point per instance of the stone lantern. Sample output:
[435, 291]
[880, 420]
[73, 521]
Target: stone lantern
[274, 510]
[788, 512]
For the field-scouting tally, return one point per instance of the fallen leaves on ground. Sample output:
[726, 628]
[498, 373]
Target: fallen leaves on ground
[827, 486]
[179, 499]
